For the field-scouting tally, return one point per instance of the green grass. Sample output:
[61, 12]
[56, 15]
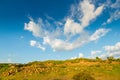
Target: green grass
[77, 69]
[3, 67]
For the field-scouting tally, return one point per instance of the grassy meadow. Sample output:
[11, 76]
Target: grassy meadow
[76, 69]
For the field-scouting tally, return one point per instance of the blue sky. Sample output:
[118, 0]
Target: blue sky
[38, 30]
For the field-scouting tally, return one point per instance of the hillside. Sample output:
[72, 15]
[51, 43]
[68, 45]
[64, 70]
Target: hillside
[77, 69]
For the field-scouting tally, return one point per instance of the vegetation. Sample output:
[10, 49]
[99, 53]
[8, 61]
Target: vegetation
[77, 69]
[83, 76]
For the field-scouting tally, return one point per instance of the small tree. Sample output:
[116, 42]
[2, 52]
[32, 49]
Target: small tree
[110, 59]
[98, 59]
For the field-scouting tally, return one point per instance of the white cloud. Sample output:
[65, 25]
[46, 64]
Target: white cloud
[98, 34]
[107, 51]
[34, 43]
[73, 58]
[113, 50]
[35, 28]
[72, 27]
[61, 45]
[116, 47]
[116, 4]
[115, 54]
[88, 12]
[114, 16]
[57, 38]
[58, 44]
[49, 17]
[58, 23]
[115, 13]
[95, 52]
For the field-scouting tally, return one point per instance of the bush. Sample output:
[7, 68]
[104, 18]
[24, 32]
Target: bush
[1, 79]
[83, 76]
[56, 79]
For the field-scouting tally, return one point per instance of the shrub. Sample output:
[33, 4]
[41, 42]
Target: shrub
[111, 58]
[1, 79]
[83, 76]
[98, 59]
[3, 67]
[97, 65]
[56, 79]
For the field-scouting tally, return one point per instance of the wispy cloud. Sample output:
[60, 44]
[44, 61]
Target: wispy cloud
[114, 16]
[98, 34]
[85, 12]
[34, 43]
[21, 37]
[58, 35]
[49, 17]
[116, 4]
[114, 11]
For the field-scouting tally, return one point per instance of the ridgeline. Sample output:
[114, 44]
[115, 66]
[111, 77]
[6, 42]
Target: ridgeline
[75, 69]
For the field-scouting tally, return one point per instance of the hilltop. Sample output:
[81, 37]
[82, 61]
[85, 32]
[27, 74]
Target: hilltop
[76, 69]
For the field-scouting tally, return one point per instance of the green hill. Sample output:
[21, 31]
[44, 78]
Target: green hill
[77, 69]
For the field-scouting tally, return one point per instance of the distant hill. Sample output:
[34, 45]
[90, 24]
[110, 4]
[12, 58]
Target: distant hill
[76, 69]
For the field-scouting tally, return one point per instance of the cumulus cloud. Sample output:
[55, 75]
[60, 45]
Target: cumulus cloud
[61, 45]
[116, 47]
[59, 34]
[98, 34]
[111, 50]
[72, 27]
[34, 43]
[58, 44]
[88, 12]
[35, 28]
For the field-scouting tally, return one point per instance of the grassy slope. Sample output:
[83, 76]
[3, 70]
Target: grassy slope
[62, 70]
